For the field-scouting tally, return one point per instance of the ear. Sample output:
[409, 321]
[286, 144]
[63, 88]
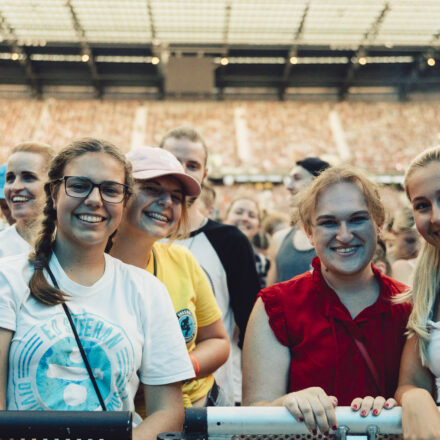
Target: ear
[205, 173]
[54, 195]
[309, 234]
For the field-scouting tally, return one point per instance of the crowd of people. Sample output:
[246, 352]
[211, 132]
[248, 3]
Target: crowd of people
[252, 136]
[121, 288]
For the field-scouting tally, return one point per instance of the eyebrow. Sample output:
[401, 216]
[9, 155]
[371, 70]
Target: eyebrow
[152, 182]
[329, 216]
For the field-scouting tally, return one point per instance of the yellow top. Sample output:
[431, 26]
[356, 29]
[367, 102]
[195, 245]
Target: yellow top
[193, 301]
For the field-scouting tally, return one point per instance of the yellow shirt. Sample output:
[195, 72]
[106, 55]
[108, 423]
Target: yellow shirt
[193, 301]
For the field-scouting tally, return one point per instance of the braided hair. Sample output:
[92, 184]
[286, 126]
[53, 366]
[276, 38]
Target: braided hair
[38, 284]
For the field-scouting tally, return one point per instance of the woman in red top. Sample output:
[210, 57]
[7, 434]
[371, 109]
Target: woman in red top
[333, 331]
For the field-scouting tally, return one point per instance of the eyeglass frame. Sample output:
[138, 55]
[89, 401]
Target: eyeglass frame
[94, 185]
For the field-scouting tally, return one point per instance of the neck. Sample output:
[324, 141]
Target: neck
[132, 248]
[357, 291]
[84, 265]
[195, 218]
[28, 229]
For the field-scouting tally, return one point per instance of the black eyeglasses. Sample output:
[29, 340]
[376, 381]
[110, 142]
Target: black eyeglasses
[81, 187]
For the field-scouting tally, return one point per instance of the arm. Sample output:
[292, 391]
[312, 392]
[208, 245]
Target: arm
[165, 412]
[272, 253]
[420, 416]
[5, 341]
[265, 377]
[212, 347]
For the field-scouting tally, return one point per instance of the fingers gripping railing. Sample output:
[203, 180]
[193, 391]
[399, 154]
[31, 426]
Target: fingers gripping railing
[263, 422]
[66, 425]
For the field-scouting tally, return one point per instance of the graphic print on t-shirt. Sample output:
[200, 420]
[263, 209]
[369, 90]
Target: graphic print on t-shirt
[187, 324]
[50, 373]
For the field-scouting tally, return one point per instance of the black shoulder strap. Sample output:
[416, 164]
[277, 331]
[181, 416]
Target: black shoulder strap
[78, 341]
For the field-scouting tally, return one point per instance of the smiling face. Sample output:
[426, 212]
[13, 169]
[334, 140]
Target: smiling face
[424, 193]
[155, 207]
[244, 214]
[88, 221]
[24, 188]
[343, 232]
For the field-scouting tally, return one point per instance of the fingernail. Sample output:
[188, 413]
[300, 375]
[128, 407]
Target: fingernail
[334, 427]
[326, 433]
[363, 413]
[387, 405]
[375, 412]
[301, 419]
[314, 432]
[355, 407]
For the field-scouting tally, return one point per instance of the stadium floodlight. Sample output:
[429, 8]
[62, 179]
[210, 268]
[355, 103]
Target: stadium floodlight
[224, 61]
[155, 60]
[85, 57]
[362, 61]
[15, 56]
[430, 61]
[293, 60]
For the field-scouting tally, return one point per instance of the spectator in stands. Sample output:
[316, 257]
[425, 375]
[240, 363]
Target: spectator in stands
[155, 211]
[406, 246]
[206, 201]
[419, 369]
[123, 315]
[291, 252]
[244, 212]
[380, 259]
[26, 174]
[6, 218]
[317, 335]
[224, 253]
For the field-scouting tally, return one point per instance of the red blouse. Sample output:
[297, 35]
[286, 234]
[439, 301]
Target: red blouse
[307, 316]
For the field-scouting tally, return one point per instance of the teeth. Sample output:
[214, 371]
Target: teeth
[90, 218]
[345, 250]
[20, 199]
[157, 216]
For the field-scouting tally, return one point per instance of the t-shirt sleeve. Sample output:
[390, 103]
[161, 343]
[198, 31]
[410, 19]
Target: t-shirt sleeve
[207, 309]
[272, 300]
[165, 357]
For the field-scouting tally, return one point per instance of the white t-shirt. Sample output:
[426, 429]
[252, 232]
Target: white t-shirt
[11, 243]
[126, 324]
[434, 353]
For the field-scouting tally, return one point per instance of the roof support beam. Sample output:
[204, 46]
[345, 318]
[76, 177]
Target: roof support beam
[293, 52]
[368, 38]
[10, 37]
[85, 49]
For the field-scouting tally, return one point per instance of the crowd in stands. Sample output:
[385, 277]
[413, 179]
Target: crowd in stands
[261, 137]
[306, 295]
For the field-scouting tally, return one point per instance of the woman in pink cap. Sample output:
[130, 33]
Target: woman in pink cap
[158, 210]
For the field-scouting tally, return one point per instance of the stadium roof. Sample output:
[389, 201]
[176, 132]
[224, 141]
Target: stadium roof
[255, 46]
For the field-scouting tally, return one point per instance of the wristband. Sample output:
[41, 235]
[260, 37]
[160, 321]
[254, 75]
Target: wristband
[195, 363]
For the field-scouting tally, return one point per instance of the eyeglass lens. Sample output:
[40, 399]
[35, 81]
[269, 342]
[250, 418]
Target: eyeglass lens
[111, 192]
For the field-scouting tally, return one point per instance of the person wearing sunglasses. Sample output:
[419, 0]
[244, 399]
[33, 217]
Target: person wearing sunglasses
[83, 329]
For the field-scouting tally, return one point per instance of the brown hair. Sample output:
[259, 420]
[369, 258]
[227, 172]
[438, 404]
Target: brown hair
[35, 147]
[307, 199]
[189, 133]
[250, 199]
[38, 284]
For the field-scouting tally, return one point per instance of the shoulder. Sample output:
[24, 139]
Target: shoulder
[220, 229]
[15, 273]
[279, 236]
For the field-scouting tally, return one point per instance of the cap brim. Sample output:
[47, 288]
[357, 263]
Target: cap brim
[190, 185]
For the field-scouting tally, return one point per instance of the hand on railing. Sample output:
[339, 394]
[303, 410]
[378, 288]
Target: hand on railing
[374, 404]
[313, 407]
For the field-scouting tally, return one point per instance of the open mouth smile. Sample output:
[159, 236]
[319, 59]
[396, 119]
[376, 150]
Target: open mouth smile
[157, 216]
[91, 218]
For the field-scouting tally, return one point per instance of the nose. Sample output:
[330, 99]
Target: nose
[344, 234]
[165, 198]
[435, 214]
[94, 198]
[17, 184]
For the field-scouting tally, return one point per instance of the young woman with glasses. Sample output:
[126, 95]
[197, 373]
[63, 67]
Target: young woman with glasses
[122, 315]
[26, 174]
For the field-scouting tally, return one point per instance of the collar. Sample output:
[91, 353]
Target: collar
[333, 306]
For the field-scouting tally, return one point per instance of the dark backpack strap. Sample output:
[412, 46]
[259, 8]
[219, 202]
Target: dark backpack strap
[78, 342]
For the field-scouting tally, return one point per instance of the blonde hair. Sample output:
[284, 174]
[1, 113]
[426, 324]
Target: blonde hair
[426, 285]
[307, 199]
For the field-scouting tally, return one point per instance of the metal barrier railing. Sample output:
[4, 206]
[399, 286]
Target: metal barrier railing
[109, 425]
[268, 422]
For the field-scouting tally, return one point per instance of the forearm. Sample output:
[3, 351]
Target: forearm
[160, 421]
[211, 354]
[411, 393]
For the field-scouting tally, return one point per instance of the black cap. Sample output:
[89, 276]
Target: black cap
[313, 165]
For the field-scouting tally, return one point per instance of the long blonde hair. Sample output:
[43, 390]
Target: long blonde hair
[426, 285]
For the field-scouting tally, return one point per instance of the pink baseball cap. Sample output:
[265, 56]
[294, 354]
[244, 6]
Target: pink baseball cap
[149, 163]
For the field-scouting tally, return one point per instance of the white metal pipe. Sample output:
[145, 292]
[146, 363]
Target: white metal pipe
[278, 420]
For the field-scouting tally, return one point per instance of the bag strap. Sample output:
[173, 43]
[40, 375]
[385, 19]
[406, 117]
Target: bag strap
[368, 361]
[78, 342]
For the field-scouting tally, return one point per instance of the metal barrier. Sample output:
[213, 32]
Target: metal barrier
[276, 422]
[108, 425]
